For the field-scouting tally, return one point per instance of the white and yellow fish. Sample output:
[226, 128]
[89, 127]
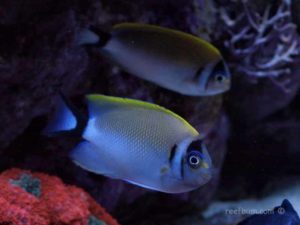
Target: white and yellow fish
[138, 142]
[169, 58]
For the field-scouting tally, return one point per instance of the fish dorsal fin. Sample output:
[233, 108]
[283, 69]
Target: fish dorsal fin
[165, 30]
[286, 204]
[99, 104]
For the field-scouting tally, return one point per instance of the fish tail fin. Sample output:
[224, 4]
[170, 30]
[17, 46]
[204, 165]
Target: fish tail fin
[286, 204]
[65, 119]
[93, 37]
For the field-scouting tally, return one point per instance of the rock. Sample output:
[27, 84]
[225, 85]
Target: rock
[296, 16]
[261, 152]
[267, 97]
[37, 59]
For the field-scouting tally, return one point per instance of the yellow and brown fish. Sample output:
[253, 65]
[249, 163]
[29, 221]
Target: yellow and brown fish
[172, 59]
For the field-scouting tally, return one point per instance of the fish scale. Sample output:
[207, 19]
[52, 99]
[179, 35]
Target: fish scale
[140, 139]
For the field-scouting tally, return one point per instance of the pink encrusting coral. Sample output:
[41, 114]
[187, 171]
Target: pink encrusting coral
[40, 199]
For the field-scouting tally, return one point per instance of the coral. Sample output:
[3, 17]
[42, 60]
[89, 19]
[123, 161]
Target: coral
[262, 44]
[94, 221]
[37, 198]
[29, 184]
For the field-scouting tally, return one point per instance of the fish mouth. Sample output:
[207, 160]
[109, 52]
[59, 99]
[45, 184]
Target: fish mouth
[228, 85]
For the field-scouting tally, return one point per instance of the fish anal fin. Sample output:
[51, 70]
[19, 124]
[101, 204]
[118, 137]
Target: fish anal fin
[90, 157]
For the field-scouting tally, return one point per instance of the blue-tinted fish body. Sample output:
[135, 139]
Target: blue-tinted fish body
[141, 143]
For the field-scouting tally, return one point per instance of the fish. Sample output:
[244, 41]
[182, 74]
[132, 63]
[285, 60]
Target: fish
[135, 141]
[171, 59]
[284, 188]
[281, 215]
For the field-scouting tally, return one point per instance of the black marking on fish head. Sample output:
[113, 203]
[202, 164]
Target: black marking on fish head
[182, 168]
[172, 153]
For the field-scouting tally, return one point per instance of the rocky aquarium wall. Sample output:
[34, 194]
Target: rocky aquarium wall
[252, 131]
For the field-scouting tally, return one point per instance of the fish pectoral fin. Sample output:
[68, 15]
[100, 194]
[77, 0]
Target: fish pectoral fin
[164, 169]
[90, 157]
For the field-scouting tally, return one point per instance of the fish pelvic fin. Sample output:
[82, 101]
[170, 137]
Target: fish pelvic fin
[92, 36]
[66, 119]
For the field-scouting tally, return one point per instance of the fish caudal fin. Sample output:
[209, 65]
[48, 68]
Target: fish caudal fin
[64, 119]
[92, 36]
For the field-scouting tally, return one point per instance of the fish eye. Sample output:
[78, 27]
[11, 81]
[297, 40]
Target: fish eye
[194, 159]
[220, 78]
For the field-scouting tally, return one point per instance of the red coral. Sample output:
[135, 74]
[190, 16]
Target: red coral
[57, 204]
[100, 212]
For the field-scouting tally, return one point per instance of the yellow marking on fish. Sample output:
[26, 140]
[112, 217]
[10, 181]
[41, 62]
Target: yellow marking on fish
[204, 165]
[164, 169]
[167, 30]
[142, 104]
